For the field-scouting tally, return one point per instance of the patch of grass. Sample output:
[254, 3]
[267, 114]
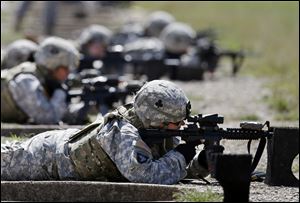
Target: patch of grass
[193, 196]
[13, 138]
[283, 100]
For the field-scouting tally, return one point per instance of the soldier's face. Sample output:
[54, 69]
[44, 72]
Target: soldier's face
[61, 73]
[173, 126]
[96, 50]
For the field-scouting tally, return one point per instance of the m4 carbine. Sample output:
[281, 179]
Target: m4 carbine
[102, 92]
[205, 128]
[210, 53]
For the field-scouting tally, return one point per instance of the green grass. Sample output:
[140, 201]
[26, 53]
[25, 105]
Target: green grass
[269, 29]
[249, 117]
[13, 138]
[192, 196]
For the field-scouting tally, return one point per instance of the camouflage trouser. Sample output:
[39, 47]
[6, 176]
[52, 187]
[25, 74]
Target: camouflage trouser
[43, 157]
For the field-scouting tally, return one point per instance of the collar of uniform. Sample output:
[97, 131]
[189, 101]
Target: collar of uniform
[128, 113]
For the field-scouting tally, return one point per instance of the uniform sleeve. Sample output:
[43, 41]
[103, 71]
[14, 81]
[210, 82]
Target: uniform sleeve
[134, 160]
[30, 96]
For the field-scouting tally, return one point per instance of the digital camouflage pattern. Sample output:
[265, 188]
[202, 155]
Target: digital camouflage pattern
[43, 157]
[95, 33]
[18, 52]
[134, 159]
[177, 37]
[160, 101]
[26, 92]
[54, 52]
[157, 21]
[46, 156]
[52, 155]
[25, 86]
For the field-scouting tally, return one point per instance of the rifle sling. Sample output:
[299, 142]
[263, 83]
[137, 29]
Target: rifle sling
[259, 151]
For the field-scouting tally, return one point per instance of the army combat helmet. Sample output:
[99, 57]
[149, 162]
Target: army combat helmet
[177, 37]
[18, 52]
[94, 33]
[161, 101]
[156, 22]
[54, 52]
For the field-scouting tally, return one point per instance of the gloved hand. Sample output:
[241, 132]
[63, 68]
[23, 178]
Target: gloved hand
[211, 151]
[52, 85]
[198, 167]
[188, 150]
[202, 160]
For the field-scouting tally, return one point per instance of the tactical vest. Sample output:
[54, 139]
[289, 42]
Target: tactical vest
[10, 111]
[90, 160]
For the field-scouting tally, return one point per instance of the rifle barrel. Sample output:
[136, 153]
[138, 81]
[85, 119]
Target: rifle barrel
[198, 133]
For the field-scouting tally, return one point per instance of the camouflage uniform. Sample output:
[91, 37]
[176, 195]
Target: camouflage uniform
[43, 157]
[26, 92]
[47, 157]
[108, 149]
[19, 51]
[24, 98]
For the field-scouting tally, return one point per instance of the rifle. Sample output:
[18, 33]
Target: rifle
[210, 53]
[148, 57]
[112, 63]
[102, 92]
[154, 61]
[205, 128]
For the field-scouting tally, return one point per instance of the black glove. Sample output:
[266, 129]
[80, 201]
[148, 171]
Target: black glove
[188, 150]
[202, 160]
[51, 85]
